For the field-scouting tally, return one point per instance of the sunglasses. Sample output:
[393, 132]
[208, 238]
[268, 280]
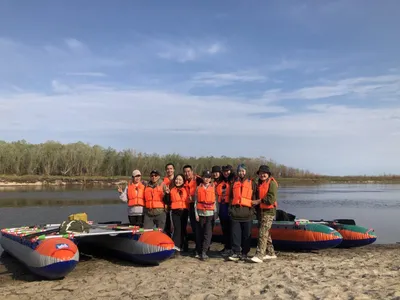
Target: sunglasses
[154, 175]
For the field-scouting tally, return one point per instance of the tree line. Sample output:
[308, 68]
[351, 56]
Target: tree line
[80, 159]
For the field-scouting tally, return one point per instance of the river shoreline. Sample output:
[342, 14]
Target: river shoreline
[30, 180]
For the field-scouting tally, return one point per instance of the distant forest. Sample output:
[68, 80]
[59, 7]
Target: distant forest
[79, 159]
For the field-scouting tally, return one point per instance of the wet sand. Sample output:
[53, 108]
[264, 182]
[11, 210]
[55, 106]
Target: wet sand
[371, 272]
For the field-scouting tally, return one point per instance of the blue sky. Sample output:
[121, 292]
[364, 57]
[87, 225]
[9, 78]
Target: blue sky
[310, 84]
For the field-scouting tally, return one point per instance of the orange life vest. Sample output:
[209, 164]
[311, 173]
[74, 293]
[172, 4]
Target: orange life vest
[206, 197]
[242, 193]
[135, 194]
[191, 186]
[167, 181]
[263, 190]
[223, 198]
[179, 198]
[154, 196]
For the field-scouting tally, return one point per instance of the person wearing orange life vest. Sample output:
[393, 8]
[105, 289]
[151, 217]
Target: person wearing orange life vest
[241, 211]
[267, 188]
[191, 182]
[223, 192]
[178, 198]
[216, 179]
[133, 195]
[216, 174]
[206, 208]
[169, 181]
[154, 204]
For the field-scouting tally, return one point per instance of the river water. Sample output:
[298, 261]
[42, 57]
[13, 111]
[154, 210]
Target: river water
[371, 205]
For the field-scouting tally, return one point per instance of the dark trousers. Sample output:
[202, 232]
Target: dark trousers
[192, 217]
[154, 221]
[136, 220]
[241, 236]
[226, 233]
[180, 220]
[167, 228]
[226, 226]
[203, 234]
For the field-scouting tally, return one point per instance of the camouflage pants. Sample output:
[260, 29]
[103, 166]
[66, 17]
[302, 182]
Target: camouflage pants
[264, 245]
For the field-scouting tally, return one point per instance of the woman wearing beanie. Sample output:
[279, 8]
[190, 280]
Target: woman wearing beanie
[241, 210]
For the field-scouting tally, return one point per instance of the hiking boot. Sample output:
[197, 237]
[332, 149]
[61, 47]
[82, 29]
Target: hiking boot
[234, 257]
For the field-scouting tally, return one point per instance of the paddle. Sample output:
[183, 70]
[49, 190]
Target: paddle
[29, 236]
[111, 222]
[340, 221]
[84, 234]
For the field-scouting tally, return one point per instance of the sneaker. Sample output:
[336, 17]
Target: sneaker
[226, 252]
[269, 257]
[244, 257]
[256, 259]
[197, 255]
[204, 256]
[234, 257]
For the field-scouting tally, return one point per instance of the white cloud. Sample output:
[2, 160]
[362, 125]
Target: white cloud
[24, 62]
[383, 87]
[75, 45]
[222, 79]
[107, 102]
[88, 74]
[328, 138]
[187, 51]
[59, 87]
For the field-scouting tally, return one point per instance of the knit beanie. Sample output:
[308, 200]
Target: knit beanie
[241, 166]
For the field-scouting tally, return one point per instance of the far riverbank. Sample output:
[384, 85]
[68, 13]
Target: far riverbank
[40, 180]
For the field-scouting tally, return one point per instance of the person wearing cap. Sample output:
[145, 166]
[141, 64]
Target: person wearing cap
[241, 211]
[191, 182]
[223, 192]
[154, 212]
[169, 181]
[205, 205]
[267, 189]
[133, 195]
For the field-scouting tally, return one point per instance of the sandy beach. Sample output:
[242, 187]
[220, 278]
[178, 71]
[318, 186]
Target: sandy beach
[371, 272]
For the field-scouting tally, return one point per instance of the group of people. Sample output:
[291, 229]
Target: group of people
[234, 198]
